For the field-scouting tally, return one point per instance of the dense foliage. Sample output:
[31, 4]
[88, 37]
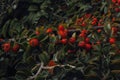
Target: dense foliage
[59, 39]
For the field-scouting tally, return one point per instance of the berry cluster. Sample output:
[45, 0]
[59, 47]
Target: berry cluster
[116, 3]
[82, 39]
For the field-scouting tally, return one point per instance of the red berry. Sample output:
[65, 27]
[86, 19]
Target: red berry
[71, 51]
[61, 28]
[114, 29]
[95, 19]
[117, 9]
[100, 20]
[49, 30]
[93, 23]
[84, 31]
[83, 24]
[99, 30]
[6, 47]
[63, 34]
[72, 40]
[16, 47]
[81, 44]
[114, 1]
[51, 63]
[37, 32]
[113, 19]
[87, 40]
[34, 42]
[98, 42]
[79, 20]
[82, 35]
[119, 2]
[88, 46]
[112, 40]
[87, 15]
[99, 24]
[64, 41]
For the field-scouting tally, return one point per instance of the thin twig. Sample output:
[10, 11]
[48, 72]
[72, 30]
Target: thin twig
[38, 72]
[46, 67]
[51, 67]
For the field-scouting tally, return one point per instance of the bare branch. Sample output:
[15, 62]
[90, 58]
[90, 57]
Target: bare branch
[51, 67]
[38, 72]
[46, 67]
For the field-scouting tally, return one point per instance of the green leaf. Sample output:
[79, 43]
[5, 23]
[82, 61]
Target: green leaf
[44, 57]
[118, 15]
[22, 66]
[20, 75]
[105, 10]
[33, 8]
[37, 1]
[5, 28]
[45, 38]
[51, 48]
[27, 53]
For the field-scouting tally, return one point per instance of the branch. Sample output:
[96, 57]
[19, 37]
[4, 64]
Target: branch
[46, 67]
[51, 67]
[38, 72]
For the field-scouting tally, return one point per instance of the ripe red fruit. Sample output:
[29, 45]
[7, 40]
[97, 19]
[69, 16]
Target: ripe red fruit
[49, 30]
[79, 20]
[113, 19]
[99, 30]
[112, 40]
[72, 40]
[61, 28]
[87, 40]
[99, 24]
[71, 51]
[82, 35]
[95, 19]
[117, 9]
[119, 2]
[81, 44]
[83, 24]
[64, 41]
[114, 29]
[51, 63]
[63, 34]
[16, 47]
[114, 1]
[6, 47]
[100, 20]
[88, 46]
[93, 23]
[37, 32]
[34, 42]
[87, 15]
[84, 31]
[98, 42]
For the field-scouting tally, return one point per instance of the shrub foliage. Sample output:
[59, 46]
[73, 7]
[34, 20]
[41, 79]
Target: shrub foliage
[59, 39]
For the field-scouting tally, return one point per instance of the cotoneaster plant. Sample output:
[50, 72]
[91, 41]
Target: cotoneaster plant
[84, 48]
[53, 50]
